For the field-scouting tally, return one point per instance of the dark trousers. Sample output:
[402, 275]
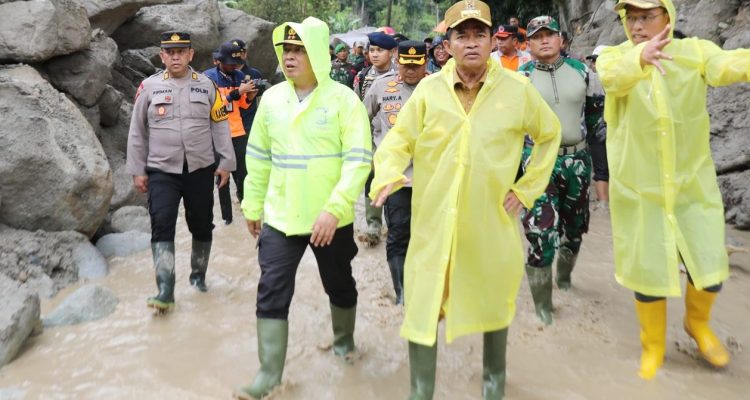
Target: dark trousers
[238, 175]
[196, 190]
[648, 299]
[398, 218]
[279, 256]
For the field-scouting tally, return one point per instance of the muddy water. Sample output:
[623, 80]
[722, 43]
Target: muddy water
[207, 345]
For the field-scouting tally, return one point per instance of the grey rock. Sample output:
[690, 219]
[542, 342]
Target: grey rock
[200, 19]
[19, 316]
[257, 35]
[53, 146]
[85, 74]
[140, 60]
[704, 18]
[90, 113]
[35, 31]
[89, 303]
[131, 218]
[123, 244]
[734, 189]
[108, 15]
[43, 261]
[91, 263]
[109, 106]
[125, 192]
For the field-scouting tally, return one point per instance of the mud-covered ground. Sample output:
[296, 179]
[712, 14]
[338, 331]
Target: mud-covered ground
[207, 345]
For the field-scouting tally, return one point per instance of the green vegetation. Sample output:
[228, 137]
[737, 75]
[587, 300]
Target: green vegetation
[414, 18]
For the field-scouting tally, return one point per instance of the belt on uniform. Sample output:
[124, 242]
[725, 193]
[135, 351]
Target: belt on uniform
[572, 149]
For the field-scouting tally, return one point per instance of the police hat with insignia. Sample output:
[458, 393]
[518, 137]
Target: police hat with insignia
[290, 37]
[230, 54]
[239, 43]
[412, 52]
[466, 10]
[171, 39]
[382, 40]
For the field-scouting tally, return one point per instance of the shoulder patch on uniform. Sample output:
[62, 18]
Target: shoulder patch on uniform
[138, 92]
[218, 111]
[165, 76]
[195, 76]
[527, 68]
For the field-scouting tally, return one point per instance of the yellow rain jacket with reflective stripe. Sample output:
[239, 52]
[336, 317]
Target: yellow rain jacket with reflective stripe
[664, 198]
[311, 156]
[463, 243]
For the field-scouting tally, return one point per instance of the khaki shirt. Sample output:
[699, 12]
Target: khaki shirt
[465, 94]
[178, 121]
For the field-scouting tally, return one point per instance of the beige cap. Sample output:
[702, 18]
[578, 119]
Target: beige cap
[466, 10]
[645, 4]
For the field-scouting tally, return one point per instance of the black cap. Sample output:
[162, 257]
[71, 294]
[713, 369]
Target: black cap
[240, 43]
[504, 31]
[290, 37]
[412, 52]
[172, 39]
[230, 54]
[399, 37]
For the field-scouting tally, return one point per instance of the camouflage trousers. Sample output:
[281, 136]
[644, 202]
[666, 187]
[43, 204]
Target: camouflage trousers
[562, 212]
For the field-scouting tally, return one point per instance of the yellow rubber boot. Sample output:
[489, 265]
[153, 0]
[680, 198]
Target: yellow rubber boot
[653, 319]
[698, 305]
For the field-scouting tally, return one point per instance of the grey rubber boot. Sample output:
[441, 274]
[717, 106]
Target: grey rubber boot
[493, 374]
[540, 283]
[566, 260]
[422, 365]
[343, 320]
[163, 254]
[272, 342]
[396, 266]
[199, 264]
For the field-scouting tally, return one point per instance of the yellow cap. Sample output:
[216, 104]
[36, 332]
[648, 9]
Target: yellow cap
[645, 4]
[466, 10]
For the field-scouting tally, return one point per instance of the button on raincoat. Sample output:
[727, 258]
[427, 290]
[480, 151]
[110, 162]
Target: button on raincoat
[664, 199]
[308, 157]
[463, 243]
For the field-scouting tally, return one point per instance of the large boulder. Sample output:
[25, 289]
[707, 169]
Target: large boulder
[108, 15]
[131, 218]
[46, 261]
[91, 263]
[735, 191]
[109, 106]
[123, 244]
[257, 35]
[85, 74]
[19, 317]
[200, 19]
[706, 18]
[34, 31]
[53, 173]
[88, 303]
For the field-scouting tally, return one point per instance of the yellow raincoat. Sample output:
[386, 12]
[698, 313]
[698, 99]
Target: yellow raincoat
[664, 198]
[463, 243]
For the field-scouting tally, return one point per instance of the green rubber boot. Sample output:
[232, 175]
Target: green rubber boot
[163, 254]
[493, 374]
[199, 264]
[540, 283]
[272, 342]
[343, 320]
[566, 260]
[374, 218]
[422, 364]
[396, 265]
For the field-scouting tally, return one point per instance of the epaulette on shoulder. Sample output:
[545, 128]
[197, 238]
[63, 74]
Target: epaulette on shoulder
[577, 65]
[527, 68]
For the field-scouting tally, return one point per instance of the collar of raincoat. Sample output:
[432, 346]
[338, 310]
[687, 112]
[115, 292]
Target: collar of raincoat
[314, 34]
[672, 18]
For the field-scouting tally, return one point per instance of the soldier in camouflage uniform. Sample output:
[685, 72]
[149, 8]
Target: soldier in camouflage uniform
[341, 71]
[560, 216]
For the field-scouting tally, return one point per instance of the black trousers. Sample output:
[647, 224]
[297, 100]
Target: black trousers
[398, 218]
[279, 256]
[238, 175]
[196, 189]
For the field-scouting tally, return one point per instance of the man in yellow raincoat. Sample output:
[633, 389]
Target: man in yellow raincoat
[664, 199]
[464, 128]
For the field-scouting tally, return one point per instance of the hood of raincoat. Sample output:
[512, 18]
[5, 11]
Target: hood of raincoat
[314, 34]
[672, 18]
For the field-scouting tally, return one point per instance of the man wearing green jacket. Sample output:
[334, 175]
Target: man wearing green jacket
[308, 157]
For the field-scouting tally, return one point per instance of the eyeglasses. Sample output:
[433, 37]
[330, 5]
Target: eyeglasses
[643, 19]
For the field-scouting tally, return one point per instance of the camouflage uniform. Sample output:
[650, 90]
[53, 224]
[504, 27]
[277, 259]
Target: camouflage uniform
[342, 72]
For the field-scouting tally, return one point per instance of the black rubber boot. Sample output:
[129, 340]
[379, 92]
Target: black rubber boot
[540, 283]
[343, 320]
[163, 254]
[493, 375]
[396, 266]
[422, 365]
[272, 342]
[199, 264]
